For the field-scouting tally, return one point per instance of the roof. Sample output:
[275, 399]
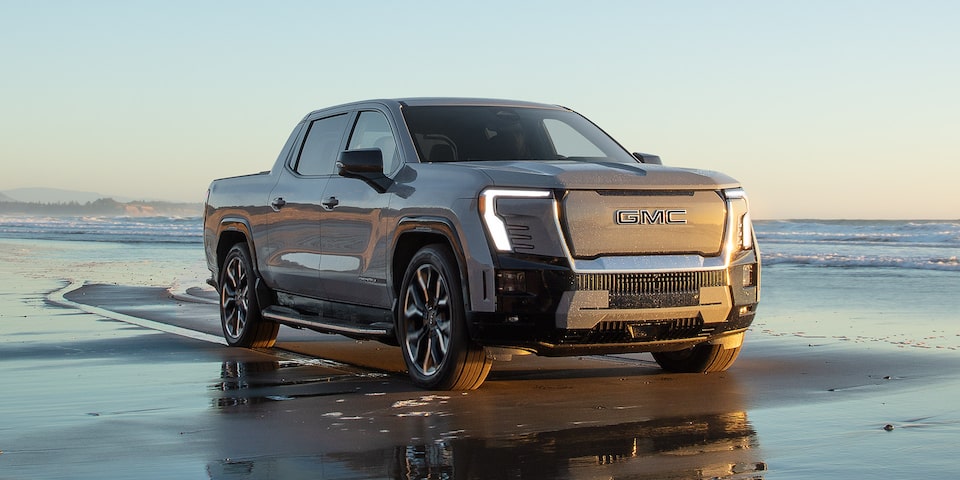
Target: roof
[446, 101]
[440, 101]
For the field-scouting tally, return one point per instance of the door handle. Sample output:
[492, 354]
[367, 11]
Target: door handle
[278, 203]
[330, 203]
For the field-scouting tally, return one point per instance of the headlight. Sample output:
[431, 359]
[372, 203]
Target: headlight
[493, 221]
[746, 232]
[739, 208]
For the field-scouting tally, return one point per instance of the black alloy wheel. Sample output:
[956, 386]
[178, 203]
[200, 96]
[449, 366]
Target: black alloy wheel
[432, 329]
[243, 326]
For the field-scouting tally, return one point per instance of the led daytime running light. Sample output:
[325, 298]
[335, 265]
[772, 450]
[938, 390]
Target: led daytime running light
[495, 224]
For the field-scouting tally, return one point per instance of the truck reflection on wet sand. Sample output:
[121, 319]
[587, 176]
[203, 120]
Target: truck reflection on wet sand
[718, 445]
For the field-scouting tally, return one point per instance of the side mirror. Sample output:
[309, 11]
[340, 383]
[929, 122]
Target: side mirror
[359, 162]
[648, 158]
[365, 164]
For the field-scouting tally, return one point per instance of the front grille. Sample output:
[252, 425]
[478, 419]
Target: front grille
[647, 283]
[623, 222]
[652, 290]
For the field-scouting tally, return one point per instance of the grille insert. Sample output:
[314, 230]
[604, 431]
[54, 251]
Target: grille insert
[652, 290]
[646, 283]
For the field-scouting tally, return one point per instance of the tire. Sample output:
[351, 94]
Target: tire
[243, 326]
[431, 325]
[703, 358]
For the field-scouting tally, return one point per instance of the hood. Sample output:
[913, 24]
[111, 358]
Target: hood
[580, 175]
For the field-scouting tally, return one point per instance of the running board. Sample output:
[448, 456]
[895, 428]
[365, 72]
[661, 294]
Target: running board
[289, 316]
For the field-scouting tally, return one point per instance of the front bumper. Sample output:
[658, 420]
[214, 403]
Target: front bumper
[551, 310]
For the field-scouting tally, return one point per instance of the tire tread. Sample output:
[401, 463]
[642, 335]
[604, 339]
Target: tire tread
[704, 358]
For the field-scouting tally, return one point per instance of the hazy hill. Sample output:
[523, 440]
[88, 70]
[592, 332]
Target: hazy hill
[48, 201]
[55, 195]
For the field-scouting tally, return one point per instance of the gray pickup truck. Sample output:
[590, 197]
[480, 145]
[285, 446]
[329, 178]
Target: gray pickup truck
[470, 230]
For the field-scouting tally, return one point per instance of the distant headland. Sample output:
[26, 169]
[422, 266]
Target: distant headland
[61, 202]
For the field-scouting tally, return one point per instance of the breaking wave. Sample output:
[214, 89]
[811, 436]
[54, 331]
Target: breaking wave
[159, 229]
[925, 245]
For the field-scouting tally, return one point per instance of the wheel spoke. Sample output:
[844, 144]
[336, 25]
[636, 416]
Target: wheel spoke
[440, 345]
[413, 312]
[428, 359]
[414, 306]
[418, 334]
[241, 275]
[232, 324]
[227, 300]
[443, 333]
[423, 281]
[231, 274]
[441, 297]
[241, 321]
[229, 288]
[413, 337]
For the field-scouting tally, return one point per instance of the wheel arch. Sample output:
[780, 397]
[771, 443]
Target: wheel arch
[232, 232]
[416, 232]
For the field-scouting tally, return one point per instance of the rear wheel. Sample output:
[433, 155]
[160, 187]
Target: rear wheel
[431, 325]
[703, 358]
[243, 326]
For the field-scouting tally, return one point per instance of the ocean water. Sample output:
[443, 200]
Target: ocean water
[891, 283]
[886, 283]
[104, 228]
[920, 245]
[148, 251]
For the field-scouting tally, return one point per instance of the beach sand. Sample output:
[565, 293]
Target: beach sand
[816, 393]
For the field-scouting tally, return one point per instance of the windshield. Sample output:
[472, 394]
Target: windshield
[476, 133]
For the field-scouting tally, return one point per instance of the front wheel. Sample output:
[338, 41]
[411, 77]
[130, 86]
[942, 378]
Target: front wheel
[703, 358]
[243, 326]
[431, 325]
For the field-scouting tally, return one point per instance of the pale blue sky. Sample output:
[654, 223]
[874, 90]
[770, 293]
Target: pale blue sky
[825, 109]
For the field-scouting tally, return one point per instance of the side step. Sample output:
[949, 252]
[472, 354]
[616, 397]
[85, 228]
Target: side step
[289, 316]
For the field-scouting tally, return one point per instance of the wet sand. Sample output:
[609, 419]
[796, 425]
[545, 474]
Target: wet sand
[89, 396]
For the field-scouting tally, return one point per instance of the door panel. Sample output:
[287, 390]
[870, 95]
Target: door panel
[353, 262]
[293, 245]
[294, 240]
